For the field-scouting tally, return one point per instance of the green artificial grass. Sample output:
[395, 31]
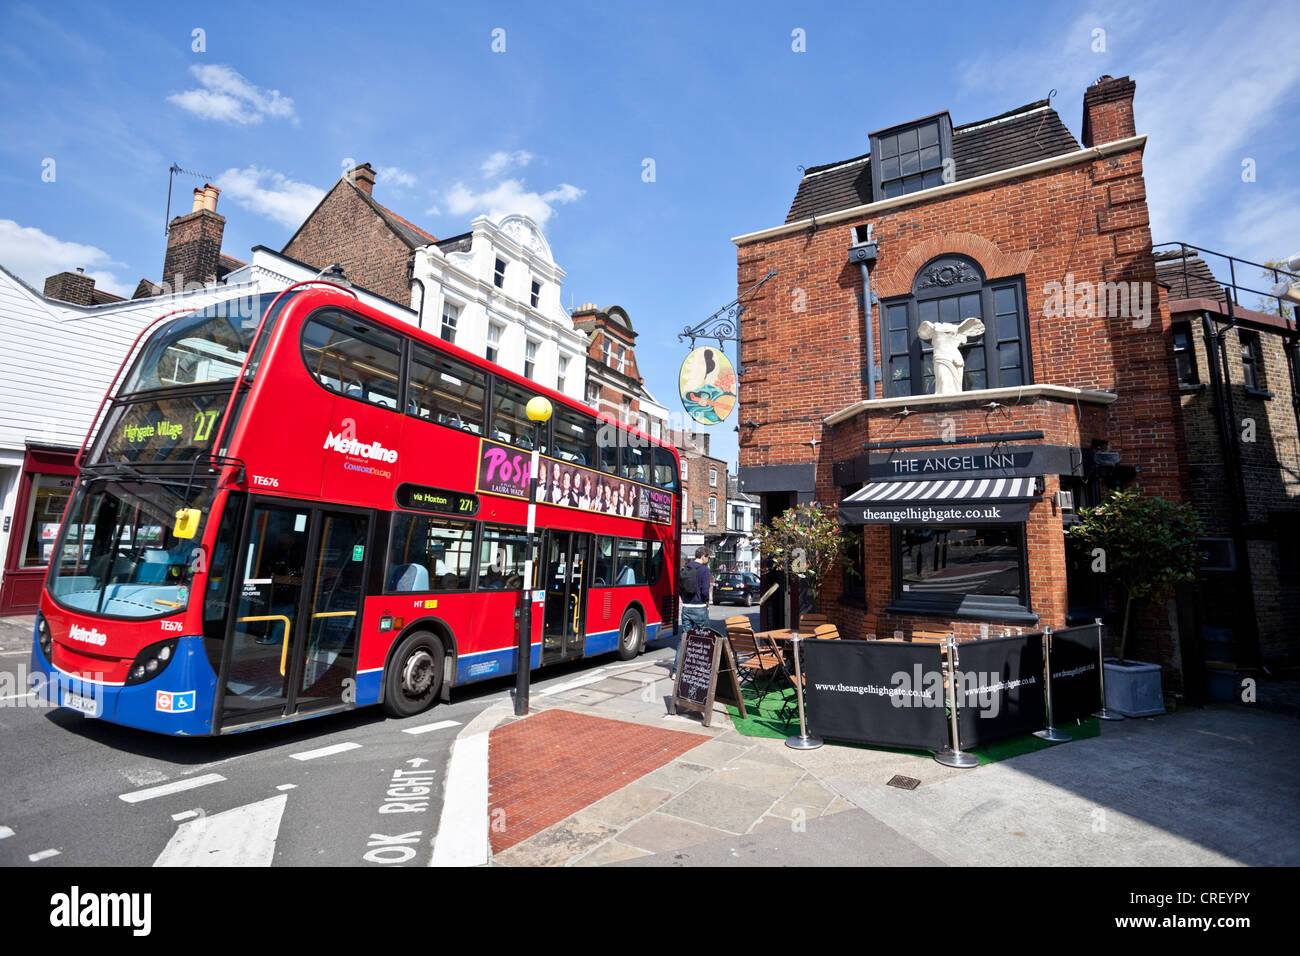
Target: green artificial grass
[762, 720]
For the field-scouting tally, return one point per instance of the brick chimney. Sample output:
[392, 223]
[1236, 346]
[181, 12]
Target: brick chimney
[74, 287]
[363, 177]
[1108, 111]
[194, 242]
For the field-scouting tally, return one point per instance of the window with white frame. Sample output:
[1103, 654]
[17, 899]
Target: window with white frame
[713, 477]
[530, 357]
[499, 273]
[535, 295]
[686, 469]
[593, 394]
[450, 317]
[494, 341]
[563, 373]
[713, 510]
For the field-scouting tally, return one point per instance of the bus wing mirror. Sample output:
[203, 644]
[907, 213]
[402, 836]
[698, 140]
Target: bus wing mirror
[187, 523]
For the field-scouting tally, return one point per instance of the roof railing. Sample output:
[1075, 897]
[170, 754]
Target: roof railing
[1282, 307]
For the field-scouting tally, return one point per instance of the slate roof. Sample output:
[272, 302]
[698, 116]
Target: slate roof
[1020, 136]
[1187, 277]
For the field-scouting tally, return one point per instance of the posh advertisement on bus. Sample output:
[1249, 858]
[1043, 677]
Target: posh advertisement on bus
[503, 470]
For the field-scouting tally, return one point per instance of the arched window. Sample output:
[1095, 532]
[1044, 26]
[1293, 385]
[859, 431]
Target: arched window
[951, 289]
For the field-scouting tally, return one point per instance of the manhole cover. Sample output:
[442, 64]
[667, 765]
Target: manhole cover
[903, 783]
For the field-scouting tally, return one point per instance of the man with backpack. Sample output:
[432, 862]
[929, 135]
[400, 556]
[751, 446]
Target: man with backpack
[695, 586]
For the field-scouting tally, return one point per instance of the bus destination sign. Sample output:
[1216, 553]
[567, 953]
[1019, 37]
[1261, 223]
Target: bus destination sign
[436, 500]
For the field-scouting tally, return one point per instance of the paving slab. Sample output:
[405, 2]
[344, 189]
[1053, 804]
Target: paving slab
[557, 845]
[615, 686]
[772, 779]
[715, 753]
[624, 806]
[659, 833]
[676, 776]
[720, 805]
[610, 851]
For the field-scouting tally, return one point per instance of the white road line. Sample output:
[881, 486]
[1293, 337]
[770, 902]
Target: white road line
[324, 751]
[462, 837]
[14, 653]
[184, 815]
[42, 855]
[9, 697]
[244, 836]
[428, 727]
[580, 682]
[176, 786]
[5, 833]
[287, 786]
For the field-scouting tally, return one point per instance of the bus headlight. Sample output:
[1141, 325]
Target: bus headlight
[151, 661]
[43, 636]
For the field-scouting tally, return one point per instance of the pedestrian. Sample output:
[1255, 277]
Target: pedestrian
[695, 588]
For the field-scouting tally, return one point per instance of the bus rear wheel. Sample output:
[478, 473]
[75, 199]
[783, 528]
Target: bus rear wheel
[414, 675]
[629, 636]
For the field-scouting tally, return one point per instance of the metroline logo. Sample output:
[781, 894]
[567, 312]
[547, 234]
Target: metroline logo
[350, 446]
[92, 636]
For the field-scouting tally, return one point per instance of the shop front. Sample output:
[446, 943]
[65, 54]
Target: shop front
[43, 487]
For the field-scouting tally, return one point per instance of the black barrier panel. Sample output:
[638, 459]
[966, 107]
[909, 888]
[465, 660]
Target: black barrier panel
[1076, 688]
[875, 692]
[1000, 688]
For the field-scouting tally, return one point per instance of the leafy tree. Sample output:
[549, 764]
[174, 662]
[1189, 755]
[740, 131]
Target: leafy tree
[805, 542]
[1144, 546]
[1286, 309]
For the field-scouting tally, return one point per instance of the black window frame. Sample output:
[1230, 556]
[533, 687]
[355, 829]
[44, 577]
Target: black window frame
[1252, 359]
[389, 564]
[1184, 349]
[988, 607]
[485, 382]
[403, 344]
[481, 538]
[945, 277]
[889, 145]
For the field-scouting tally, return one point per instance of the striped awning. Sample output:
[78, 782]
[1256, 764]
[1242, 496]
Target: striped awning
[941, 501]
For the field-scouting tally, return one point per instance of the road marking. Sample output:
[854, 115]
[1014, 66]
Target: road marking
[324, 751]
[244, 836]
[580, 682]
[184, 815]
[5, 833]
[42, 855]
[176, 786]
[14, 653]
[9, 697]
[428, 727]
[287, 786]
[462, 837]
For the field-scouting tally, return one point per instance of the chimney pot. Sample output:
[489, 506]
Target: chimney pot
[210, 193]
[198, 200]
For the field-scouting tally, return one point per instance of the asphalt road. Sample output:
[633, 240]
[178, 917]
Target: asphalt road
[349, 789]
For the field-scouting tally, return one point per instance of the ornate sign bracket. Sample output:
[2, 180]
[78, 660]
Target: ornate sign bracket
[724, 324]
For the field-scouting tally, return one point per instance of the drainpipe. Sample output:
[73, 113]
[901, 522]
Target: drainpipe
[863, 252]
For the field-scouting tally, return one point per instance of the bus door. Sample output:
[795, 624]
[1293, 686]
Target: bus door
[293, 635]
[564, 575]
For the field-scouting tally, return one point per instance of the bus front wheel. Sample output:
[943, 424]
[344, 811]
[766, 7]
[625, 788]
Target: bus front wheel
[414, 675]
[629, 636]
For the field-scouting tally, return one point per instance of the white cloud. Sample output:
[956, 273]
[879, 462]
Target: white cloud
[270, 194]
[227, 97]
[508, 197]
[34, 255]
[394, 176]
[500, 161]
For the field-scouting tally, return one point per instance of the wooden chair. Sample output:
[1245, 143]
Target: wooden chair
[754, 660]
[740, 620]
[827, 632]
[807, 621]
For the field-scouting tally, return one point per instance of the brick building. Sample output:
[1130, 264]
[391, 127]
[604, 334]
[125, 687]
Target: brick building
[704, 492]
[613, 382]
[956, 501]
[1238, 397]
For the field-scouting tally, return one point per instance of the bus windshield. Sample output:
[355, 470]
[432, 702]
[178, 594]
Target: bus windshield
[116, 554]
[208, 346]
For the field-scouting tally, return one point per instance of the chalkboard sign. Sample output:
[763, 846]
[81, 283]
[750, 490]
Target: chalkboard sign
[695, 682]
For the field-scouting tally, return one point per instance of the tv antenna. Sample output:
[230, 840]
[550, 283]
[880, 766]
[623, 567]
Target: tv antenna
[172, 170]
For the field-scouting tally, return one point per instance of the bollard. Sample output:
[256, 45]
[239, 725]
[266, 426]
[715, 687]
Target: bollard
[1049, 732]
[1103, 714]
[954, 756]
[804, 740]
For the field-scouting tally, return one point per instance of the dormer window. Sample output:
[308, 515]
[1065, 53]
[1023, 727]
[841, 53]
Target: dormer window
[499, 274]
[907, 159]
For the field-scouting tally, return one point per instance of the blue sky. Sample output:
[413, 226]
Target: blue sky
[559, 124]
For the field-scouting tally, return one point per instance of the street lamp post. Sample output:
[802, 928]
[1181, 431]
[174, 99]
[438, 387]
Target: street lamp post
[539, 413]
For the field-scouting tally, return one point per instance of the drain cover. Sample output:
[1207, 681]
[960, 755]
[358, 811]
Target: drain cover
[903, 783]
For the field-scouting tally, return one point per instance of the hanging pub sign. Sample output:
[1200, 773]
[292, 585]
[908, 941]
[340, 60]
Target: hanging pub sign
[505, 470]
[436, 500]
[707, 384]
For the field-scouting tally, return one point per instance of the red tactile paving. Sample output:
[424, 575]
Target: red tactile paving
[553, 764]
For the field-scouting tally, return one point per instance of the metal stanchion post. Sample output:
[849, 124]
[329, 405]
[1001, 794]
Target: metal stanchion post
[1049, 732]
[954, 756]
[539, 412]
[1104, 713]
[805, 740]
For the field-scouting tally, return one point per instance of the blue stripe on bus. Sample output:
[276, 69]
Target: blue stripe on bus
[484, 664]
[370, 685]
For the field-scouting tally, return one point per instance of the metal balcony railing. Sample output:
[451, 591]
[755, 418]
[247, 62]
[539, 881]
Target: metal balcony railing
[1196, 270]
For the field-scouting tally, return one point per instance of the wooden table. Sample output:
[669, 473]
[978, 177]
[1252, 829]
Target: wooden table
[785, 634]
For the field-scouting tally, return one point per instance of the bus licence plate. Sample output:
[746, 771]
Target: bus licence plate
[86, 705]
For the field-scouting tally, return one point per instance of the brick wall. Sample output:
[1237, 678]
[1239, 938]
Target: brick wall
[346, 229]
[193, 249]
[698, 491]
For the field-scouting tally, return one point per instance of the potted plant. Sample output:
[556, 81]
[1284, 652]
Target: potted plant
[804, 542]
[1144, 546]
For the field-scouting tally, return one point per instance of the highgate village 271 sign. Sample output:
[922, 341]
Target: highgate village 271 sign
[505, 470]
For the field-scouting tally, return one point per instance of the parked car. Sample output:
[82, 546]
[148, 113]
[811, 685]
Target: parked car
[737, 588]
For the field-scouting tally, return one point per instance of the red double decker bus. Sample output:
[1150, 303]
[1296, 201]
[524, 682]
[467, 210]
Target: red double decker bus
[295, 506]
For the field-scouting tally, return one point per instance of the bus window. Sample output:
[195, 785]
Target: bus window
[429, 554]
[510, 423]
[609, 457]
[631, 562]
[501, 556]
[575, 437]
[636, 463]
[655, 563]
[353, 358]
[604, 576]
[443, 390]
[665, 475]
